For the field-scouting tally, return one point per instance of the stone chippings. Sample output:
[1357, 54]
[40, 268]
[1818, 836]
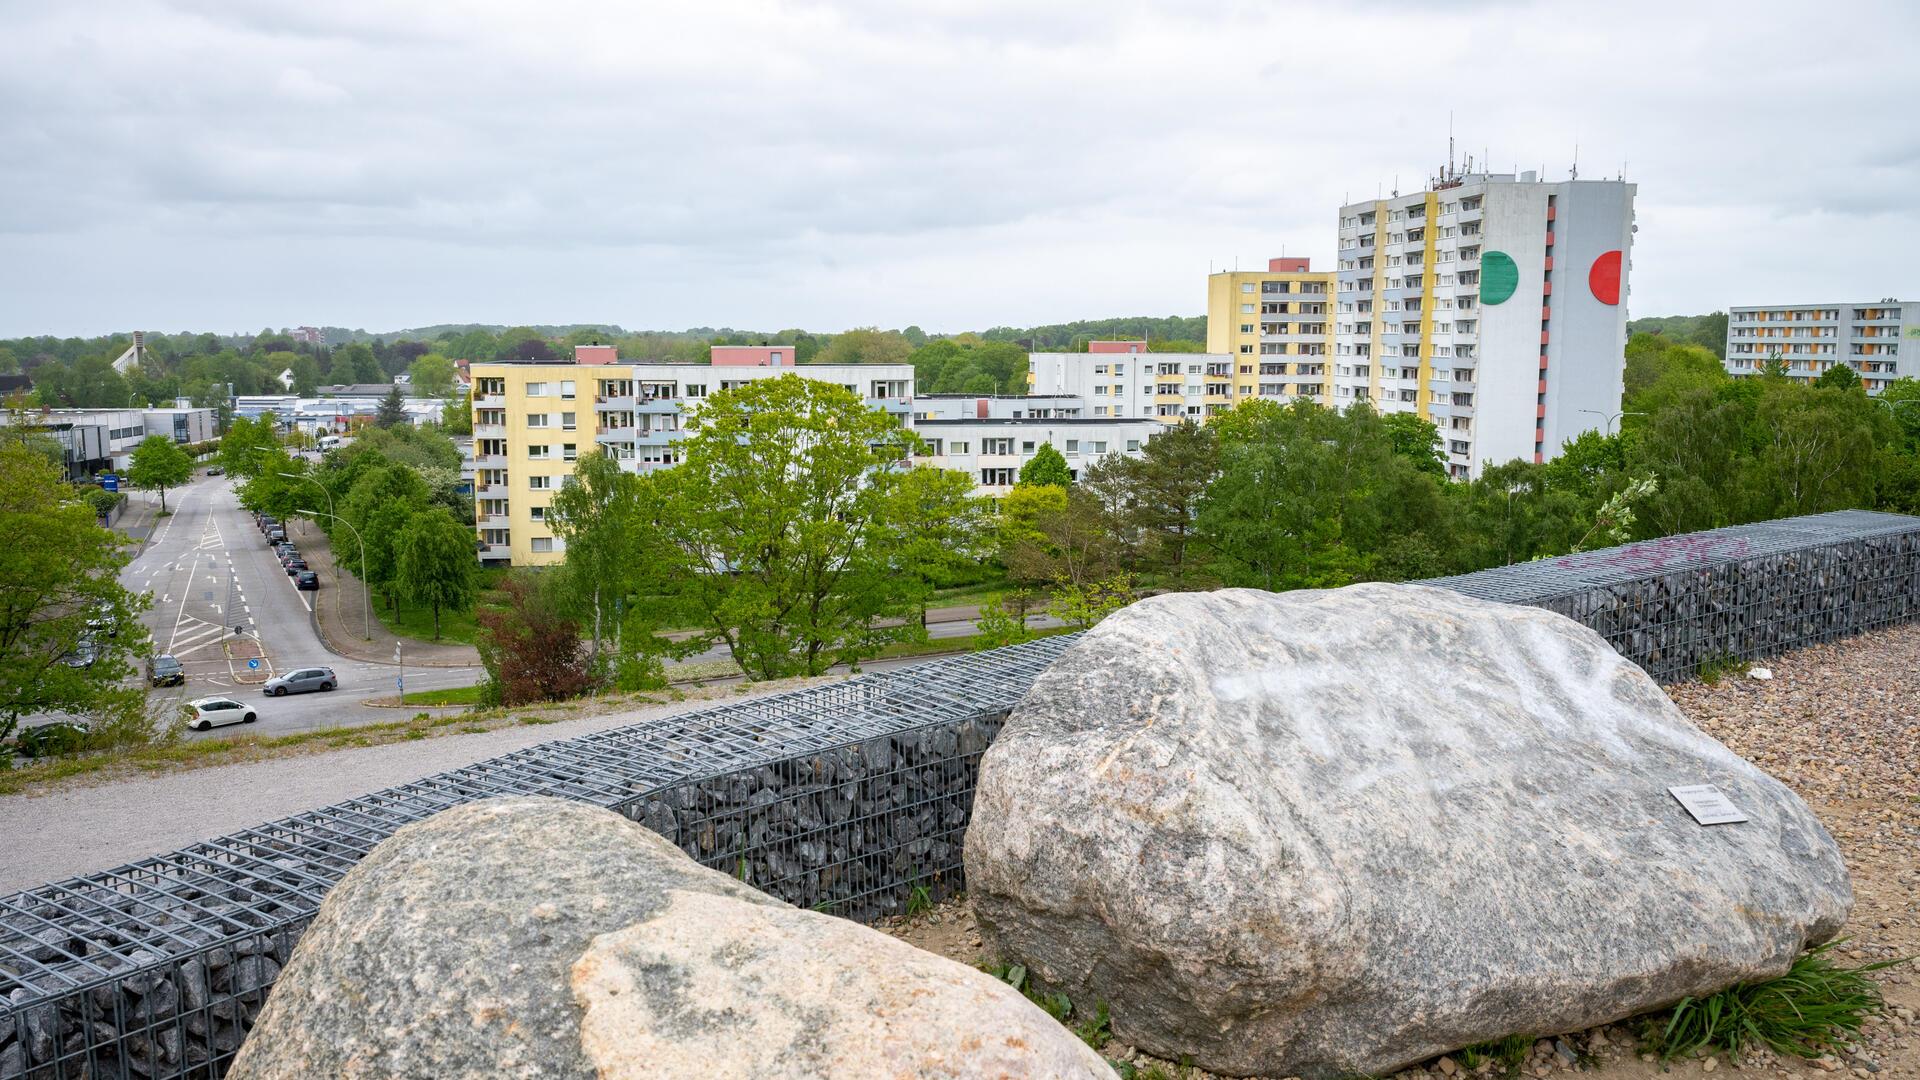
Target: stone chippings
[856, 830]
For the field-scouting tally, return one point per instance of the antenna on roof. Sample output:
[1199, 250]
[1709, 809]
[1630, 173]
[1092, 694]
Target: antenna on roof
[1576, 161]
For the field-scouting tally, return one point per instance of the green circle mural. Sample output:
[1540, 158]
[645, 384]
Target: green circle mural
[1498, 277]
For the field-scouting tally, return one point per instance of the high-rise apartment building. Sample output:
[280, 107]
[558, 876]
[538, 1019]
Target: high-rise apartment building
[1493, 305]
[1277, 326]
[1808, 339]
[1122, 380]
[532, 421]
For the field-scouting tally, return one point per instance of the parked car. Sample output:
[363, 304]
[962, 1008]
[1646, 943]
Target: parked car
[211, 712]
[164, 670]
[295, 565]
[83, 655]
[305, 680]
[216, 471]
[287, 555]
[276, 535]
[265, 521]
[57, 737]
[306, 579]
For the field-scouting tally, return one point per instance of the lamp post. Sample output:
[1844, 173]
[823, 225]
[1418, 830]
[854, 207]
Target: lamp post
[366, 589]
[1611, 418]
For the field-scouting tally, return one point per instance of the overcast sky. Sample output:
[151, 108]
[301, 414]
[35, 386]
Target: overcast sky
[232, 164]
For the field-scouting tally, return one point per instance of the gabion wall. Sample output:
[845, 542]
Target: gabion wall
[1743, 593]
[852, 797]
[847, 797]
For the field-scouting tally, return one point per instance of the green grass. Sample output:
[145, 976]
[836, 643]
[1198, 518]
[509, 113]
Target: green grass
[453, 695]
[1507, 1054]
[1804, 1013]
[968, 643]
[415, 621]
[1712, 670]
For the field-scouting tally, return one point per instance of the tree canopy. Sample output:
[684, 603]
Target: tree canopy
[159, 463]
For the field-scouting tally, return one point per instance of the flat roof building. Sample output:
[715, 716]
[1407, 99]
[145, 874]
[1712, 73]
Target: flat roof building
[1809, 339]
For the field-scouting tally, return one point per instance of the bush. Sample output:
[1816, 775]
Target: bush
[531, 651]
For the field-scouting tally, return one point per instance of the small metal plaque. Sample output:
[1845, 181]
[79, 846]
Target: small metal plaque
[1707, 805]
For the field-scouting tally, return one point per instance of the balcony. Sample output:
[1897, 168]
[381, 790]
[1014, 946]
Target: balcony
[656, 437]
[489, 431]
[657, 406]
[490, 401]
[489, 461]
[490, 491]
[609, 433]
[613, 404]
[897, 406]
[491, 521]
[494, 552]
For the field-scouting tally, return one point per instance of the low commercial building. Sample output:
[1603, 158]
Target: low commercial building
[532, 421]
[1808, 339]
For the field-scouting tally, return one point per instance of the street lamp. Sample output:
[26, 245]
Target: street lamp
[366, 601]
[1611, 418]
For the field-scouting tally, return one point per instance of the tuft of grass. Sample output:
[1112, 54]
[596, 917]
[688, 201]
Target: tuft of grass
[1715, 668]
[1804, 1013]
[919, 900]
[1506, 1054]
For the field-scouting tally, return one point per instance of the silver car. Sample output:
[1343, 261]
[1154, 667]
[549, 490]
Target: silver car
[301, 682]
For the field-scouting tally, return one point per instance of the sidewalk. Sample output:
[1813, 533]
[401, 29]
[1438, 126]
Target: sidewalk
[139, 515]
[341, 620]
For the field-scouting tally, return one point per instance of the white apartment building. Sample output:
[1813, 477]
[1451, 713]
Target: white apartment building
[1168, 387]
[993, 449]
[532, 421]
[1493, 305]
[1810, 338]
[998, 407]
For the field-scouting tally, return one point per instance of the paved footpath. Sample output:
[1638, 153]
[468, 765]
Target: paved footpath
[82, 829]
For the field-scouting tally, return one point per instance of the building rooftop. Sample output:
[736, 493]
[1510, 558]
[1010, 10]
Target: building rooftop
[1038, 421]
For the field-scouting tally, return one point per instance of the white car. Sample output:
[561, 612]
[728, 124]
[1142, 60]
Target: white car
[211, 712]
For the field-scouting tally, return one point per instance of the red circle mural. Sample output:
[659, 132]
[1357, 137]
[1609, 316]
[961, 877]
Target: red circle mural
[1604, 278]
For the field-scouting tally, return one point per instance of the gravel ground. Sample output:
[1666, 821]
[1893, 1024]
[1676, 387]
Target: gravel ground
[1840, 725]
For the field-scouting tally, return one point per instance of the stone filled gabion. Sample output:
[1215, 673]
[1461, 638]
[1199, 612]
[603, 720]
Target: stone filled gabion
[856, 830]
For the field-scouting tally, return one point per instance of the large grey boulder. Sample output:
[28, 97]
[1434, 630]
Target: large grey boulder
[543, 938]
[1334, 832]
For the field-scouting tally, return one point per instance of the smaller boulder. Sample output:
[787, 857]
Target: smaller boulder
[533, 937]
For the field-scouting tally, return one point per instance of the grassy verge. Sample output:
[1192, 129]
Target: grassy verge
[415, 621]
[968, 643]
[452, 695]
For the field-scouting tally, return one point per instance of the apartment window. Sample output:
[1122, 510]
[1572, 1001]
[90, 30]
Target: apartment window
[695, 389]
[996, 446]
[536, 389]
[538, 513]
[997, 477]
[1246, 287]
[1099, 410]
[1099, 448]
[539, 483]
[960, 448]
[1246, 309]
[1099, 369]
[542, 544]
[1100, 391]
[539, 452]
[1026, 448]
[1133, 446]
[1073, 446]
[567, 422]
[1246, 328]
[537, 419]
[569, 452]
[1119, 369]
[566, 388]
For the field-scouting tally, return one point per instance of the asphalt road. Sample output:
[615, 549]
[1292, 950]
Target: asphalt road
[210, 570]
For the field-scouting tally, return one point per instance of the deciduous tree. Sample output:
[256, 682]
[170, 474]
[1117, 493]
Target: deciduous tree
[159, 463]
[436, 563]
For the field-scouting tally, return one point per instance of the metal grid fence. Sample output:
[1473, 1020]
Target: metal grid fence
[1677, 604]
[157, 968]
[851, 797]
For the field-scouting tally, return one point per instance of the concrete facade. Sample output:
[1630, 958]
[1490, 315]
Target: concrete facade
[1168, 387]
[1277, 325]
[1494, 305]
[1808, 339]
[532, 421]
[992, 450]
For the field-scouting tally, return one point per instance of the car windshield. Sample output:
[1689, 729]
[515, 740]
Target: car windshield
[166, 663]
